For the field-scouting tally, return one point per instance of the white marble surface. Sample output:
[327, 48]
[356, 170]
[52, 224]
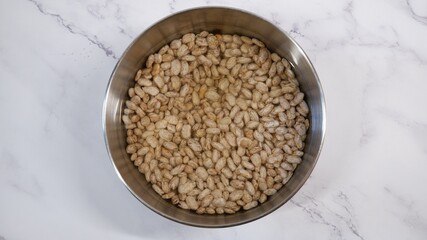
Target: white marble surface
[56, 181]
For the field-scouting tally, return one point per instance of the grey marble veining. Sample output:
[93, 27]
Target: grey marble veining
[56, 181]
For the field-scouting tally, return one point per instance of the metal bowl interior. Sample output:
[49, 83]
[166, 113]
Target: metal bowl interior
[216, 20]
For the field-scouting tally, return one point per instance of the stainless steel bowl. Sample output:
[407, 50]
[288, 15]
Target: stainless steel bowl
[216, 20]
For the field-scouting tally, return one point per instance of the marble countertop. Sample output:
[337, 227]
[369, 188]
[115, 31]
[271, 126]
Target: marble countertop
[57, 182]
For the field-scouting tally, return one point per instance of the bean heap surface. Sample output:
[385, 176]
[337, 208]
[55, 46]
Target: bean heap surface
[216, 123]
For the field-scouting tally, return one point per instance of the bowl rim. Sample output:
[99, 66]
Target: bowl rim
[201, 225]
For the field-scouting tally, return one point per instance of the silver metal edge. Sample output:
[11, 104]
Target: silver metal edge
[323, 104]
